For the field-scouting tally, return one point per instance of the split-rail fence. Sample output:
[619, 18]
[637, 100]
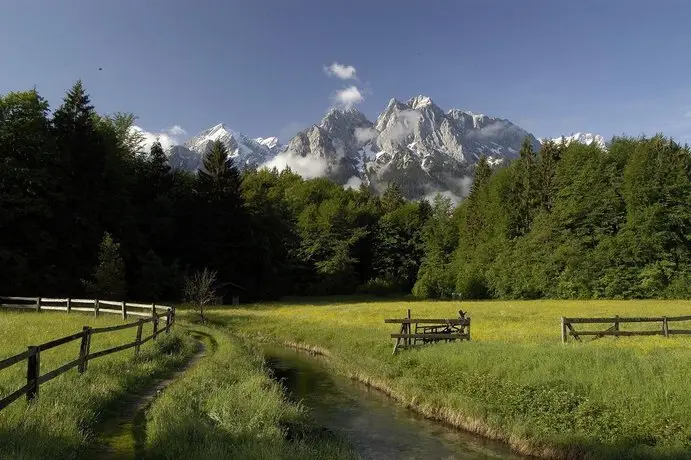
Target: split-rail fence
[614, 330]
[147, 313]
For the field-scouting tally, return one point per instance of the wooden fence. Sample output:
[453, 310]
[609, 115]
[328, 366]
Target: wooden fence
[615, 329]
[433, 330]
[32, 355]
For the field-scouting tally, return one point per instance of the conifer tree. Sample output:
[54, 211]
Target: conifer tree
[109, 275]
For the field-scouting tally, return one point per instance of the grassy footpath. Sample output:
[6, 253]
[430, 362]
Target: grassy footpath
[228, 407]
[611, 398]
[61, 423]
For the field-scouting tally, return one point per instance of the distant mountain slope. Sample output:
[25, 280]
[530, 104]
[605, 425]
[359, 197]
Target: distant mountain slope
[244, 151]
[583, 138]
[416, 144]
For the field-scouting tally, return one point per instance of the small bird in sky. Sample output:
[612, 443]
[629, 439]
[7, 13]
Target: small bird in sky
[100, 68]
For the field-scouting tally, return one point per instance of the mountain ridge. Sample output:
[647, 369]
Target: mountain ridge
[414, 143]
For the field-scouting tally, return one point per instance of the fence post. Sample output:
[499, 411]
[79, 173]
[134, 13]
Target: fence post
[153, 309]
[155, 326]
[564, 335]
[169, 316]
[38, 304]
[95, 307]
[124, 310]
[138, 341]
[69, 305]
[408, 340]
[665, 326]
[33, 370]
[84, 349]
[616, 324]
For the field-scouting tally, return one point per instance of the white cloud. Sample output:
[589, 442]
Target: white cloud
[347, 97]
[455, 199]
[404, 124]
[307, 167]
[354, 183]
[167, 137]
[344, 72]
[364, 135]
[176, 130]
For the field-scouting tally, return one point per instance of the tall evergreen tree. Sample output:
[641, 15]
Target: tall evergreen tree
[108, 281]
[80, 151]
[28, 195]
[224, 223]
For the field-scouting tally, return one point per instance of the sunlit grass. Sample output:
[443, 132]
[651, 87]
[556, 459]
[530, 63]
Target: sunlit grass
[514, 380]
[62, 422]
[228, 407]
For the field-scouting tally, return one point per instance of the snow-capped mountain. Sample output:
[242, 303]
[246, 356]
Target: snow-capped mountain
[334, 143]
[416, 144]
[271, 143]
[583, 138]
[245, 152]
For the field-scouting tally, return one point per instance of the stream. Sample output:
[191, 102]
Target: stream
[374, 425]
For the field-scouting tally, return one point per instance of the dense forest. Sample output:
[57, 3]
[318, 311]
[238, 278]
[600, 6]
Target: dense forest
[84, 210]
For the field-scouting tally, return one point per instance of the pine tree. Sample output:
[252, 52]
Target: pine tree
[475, 219]
[223, 222]
[550, 153]
[219, 175]
[158, 159]
[392, 198]
[109, 275]
[82, 157]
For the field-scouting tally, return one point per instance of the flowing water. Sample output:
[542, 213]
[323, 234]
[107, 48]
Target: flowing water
[374, 425]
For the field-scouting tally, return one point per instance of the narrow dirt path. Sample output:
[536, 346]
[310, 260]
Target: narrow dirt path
[124, 436]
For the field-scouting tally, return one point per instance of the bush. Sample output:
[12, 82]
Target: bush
[381, 287]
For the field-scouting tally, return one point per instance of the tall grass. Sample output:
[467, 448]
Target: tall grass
[610, 398]
[228, 407]
[61, 423]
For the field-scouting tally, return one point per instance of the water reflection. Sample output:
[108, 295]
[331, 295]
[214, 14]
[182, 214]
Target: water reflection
[376, 427]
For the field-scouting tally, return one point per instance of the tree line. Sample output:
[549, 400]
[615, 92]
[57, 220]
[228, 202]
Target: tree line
[84, 210]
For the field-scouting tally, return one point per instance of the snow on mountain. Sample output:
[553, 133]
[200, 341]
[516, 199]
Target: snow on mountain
[271, 143]
[245, 152]
[416, 144]
[583, 138]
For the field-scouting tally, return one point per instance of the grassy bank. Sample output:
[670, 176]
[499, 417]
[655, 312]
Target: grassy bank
[611, 398]
[62, 422]
[228, 407]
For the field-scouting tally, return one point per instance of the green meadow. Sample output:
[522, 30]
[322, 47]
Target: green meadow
[515, 381]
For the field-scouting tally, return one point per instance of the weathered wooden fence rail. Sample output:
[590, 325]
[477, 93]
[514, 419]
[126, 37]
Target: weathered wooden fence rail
[433, 330]
[153, 314]
[615, 328]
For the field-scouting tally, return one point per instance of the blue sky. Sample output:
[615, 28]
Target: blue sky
[554, 67]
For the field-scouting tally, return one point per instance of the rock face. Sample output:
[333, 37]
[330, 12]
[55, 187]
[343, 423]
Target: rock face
[245, 152]
[417, 144]
[333, 142]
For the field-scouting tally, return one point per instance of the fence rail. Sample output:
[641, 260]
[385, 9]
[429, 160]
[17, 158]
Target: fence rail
[615, 328]
[32, 356]
[432, 330]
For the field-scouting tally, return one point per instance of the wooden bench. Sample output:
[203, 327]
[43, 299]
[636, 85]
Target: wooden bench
[428, 330]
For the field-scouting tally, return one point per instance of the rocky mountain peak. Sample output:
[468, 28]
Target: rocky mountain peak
[419, 102]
